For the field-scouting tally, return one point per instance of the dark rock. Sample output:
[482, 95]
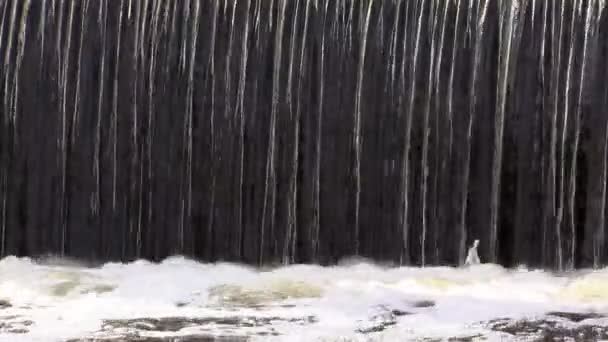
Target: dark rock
[18, 331]
[171, 325]
[380, 321]
[549, 330]
[424, 304]
[5, 304]
[399, 313]
[466, 338]
[576, 316]
[187, 338]
[14, 324]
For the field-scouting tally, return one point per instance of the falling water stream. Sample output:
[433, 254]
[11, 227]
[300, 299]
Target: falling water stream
[384, 127]
[305, 131]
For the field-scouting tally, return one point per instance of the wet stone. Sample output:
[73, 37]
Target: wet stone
[549, 330]
[576, 316]
[381, 321]
[186, 338]
[471, 338]
[18, 331]
[137, 328]
[174, 324]
[5, 304]
[424, 304]
[14, 324]
[398, 313]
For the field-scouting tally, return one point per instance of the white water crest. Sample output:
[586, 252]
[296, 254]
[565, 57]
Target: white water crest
[472, 256]
[55, 300]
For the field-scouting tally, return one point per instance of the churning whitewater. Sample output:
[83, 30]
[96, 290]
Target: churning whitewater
[58, 300]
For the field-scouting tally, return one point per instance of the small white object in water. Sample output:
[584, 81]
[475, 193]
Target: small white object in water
[472, 256]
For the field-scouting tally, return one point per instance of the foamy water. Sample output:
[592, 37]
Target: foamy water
[54, 302]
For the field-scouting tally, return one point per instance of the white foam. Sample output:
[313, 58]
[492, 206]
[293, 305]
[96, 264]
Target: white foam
[68, 301]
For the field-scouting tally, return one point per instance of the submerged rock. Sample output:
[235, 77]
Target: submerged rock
[186, 338]
[549, 330]
[263, 294]
[576, 316]
[424, 304]
[208, 329]
[173, 324]
[383, 319]
[14, 324]
[5, 304]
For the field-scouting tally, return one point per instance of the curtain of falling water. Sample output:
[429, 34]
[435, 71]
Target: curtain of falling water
[305, 131]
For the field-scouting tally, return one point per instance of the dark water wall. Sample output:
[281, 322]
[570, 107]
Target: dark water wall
[268, 131]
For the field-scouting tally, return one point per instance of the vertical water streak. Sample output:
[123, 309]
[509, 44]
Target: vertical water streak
[228, 67]
[470, 14]
[477, 55]
[103, 23]
[240, 110]
[228, 60]
[599, 237]
[600, 233]
[406, 115]
[143, 28]
[564, 133]
[139, 145]
[548, 204]
[505, 43]
[184, 41]
[19, 61]
[8, 95]
[114, 120]
[155, 37]
[394, 43]
[450, 114]
[577, 127]
[426, 132]
[172, 33]
[295, 117]
[3, 155]
[270, 13]
[41, 29]
[64, 129]
[212, 137]
[9, 38]
[357, 124]
[135, 227]
[316, 201]
[184, 181]
[440, 166]
[76, 109]
[11, 111]
[270, 183]
[556, 66]
[408, 125]
[3, 7]
[188, 123]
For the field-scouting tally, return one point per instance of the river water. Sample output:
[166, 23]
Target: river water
[57, 300]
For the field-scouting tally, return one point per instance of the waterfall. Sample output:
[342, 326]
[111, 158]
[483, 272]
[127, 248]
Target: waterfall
[305, 131]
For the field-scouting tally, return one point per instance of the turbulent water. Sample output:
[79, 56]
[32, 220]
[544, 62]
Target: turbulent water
[281, 131]
[58, 300]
